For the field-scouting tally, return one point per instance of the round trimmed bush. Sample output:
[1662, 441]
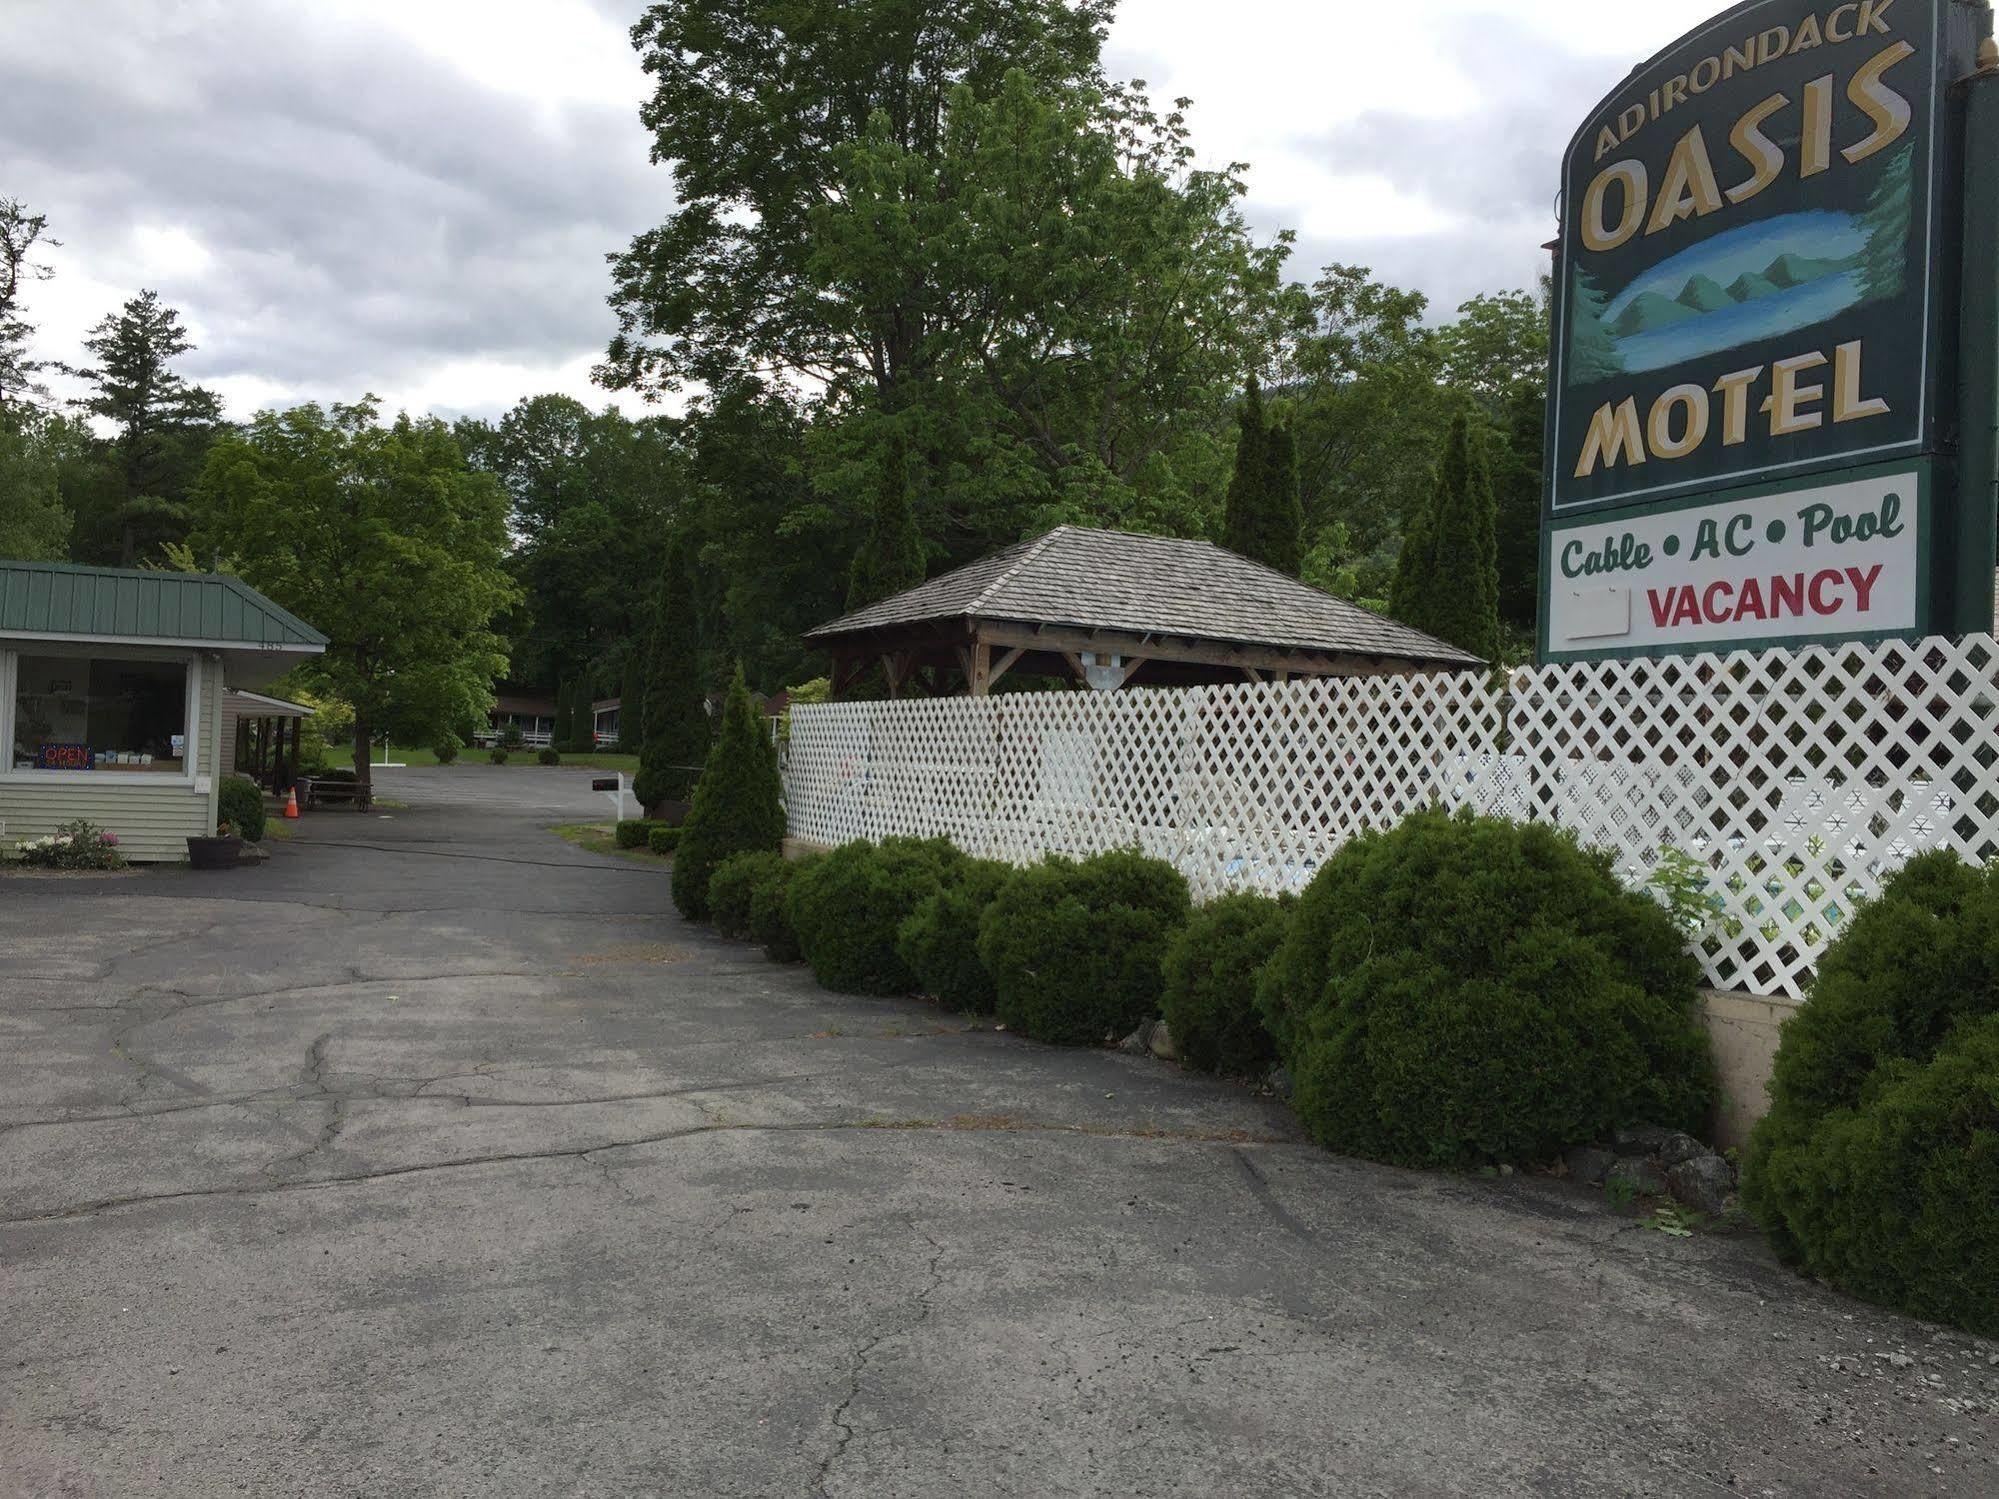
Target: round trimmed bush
[1211, 969]
[549, 757]
[1877, 1167]
[940, 939]
[662, 838]
[445, 751]
[1075, 949]
[632, 832]
[734, 885]
[1462, 991]
[848, 908]
[240, 803]
[770, 912]
[497, 754]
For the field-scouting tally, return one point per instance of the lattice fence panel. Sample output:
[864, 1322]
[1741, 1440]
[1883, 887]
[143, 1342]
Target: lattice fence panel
[1795, 781]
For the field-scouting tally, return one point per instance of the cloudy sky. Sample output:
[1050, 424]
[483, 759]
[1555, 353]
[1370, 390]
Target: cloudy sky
[415, 197]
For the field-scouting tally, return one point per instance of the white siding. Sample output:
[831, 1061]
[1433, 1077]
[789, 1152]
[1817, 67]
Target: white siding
[153, 823]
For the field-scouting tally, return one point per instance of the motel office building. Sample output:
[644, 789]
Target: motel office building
[113, 685]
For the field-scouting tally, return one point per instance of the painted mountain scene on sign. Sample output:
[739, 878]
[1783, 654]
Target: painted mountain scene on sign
[1761, 281]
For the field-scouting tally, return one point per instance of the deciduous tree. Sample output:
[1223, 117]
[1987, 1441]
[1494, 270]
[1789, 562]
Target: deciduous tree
[381, 537]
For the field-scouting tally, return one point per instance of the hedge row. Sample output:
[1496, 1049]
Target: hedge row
[1455, 992]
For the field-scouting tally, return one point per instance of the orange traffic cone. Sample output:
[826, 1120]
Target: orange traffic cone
[291, 803]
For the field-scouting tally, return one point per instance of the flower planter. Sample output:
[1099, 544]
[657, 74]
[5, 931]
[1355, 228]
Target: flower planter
[214, 853]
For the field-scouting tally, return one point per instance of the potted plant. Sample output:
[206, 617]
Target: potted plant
[223, 851]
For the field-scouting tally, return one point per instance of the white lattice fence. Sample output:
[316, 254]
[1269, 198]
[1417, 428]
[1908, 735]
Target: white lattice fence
[1795, 780]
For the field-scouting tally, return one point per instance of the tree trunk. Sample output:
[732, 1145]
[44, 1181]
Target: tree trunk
[362, 751]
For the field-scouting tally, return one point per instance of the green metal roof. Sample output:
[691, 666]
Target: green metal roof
[129, 604]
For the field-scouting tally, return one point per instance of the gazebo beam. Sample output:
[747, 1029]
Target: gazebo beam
[1058, 641]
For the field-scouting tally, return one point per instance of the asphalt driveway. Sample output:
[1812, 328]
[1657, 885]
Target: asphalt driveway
[436, 1157]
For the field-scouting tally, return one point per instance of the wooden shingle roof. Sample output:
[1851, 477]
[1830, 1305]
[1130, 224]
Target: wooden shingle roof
[1087, 579]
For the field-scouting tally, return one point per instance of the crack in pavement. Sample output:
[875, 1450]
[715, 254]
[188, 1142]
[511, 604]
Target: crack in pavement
[583, 1152]
[857, 1368]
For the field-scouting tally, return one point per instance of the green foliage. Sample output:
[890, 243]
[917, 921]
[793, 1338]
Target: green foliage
[239, 801]
[34, 521]
[162, 426]
[939, 940]
[512, 737]
[770, 912]
[631, 833]
[1463, 991]
[73, 845]
[891, 556]
[548, 757]
[1877, 1167]
[1211, 968]
[380, 537]
[849, 907]
[1075, 949]
[738, 805]
[591, 496]
[445, 751]
[662, 838]
[734, 886]
[1447, 581]
[676, 723]
[1263, 519]
[498, 754]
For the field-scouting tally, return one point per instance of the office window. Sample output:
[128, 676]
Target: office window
[100, 713]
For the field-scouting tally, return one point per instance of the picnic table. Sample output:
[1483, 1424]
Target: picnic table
[315, 790]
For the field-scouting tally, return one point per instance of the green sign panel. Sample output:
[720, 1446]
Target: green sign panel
[1757, 335]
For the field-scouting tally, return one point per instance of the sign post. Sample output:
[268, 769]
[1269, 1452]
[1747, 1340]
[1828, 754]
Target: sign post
[1775, 338]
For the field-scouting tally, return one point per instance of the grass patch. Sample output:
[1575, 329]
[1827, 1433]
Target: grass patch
[597, 838]
[341, 757]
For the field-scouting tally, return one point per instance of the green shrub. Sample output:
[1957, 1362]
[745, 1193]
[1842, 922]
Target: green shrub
[446, 750]
[1075, 949]
[939, 940]
[770, 911]
[1211, 968]
[849, 906]
[633, 831]
[497, 754]
[1467, 990]
[662, 838]
[239, 801]
[734, 885]
[549, 756]
[1877, 1167]
[512, 737]
[738, 805]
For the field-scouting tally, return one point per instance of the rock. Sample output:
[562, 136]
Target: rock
[1587, 1164]
[1679, 1148]
[1703, 1183]
[1279, 1082]
[1639, 1174]
[1139, 1041]
[1642, 1139]
[1162, 1042]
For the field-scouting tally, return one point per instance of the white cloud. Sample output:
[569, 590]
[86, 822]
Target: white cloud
[416, 196]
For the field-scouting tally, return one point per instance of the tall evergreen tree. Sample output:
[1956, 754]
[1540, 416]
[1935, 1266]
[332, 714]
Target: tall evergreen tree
[1251, 471]
[1447, 582]
[1279, 539]
[676, 717]
[163, 423]
[20, 232]
[891, 557]
[738, 803]
[1889, 219]
[632, 699]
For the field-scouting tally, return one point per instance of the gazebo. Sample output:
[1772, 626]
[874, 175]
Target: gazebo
[1113, 609]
